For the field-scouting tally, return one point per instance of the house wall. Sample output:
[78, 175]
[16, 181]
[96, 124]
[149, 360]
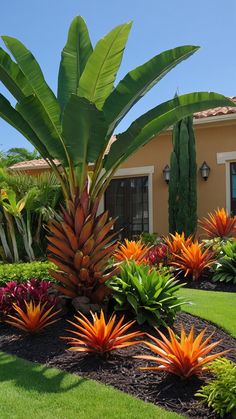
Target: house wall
[210, 140]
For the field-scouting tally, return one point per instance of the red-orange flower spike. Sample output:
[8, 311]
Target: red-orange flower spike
[193, 259]
[134, 250]
[219, 224]
[184, 357]
[100, 337]
[34, 319]
[176, 241]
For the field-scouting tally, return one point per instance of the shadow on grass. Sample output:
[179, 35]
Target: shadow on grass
[35, 377]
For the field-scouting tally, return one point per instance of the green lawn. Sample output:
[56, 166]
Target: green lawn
[30, 390]
[218, 307]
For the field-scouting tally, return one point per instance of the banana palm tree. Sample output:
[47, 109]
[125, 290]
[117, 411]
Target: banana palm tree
[76, 126]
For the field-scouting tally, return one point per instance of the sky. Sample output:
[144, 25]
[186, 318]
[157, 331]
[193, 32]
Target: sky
[157, 25]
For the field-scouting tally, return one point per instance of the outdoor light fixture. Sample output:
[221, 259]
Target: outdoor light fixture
[205, 170]
[166, 173]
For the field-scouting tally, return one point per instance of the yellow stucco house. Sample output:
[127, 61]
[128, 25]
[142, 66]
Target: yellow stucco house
[138, 194]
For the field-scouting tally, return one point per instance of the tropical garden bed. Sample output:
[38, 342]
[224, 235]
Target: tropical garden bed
[120, 369]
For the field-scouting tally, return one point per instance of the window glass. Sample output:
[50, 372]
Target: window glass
[127, 199]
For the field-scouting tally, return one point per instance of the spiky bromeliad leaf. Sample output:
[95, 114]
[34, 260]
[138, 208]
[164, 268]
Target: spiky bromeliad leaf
[96, 82]
[33, 73]
[156, 120]
[14, 118]
[12, 77]
[100, 336]
[140, 80]
[84, 130]
[185, 356]
[74, 57]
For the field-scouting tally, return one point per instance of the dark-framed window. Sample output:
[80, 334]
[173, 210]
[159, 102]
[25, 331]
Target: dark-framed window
[233, 188]
[127, 199]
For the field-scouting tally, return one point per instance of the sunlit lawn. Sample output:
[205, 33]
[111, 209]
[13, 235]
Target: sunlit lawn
[218, 307]
[30, 390]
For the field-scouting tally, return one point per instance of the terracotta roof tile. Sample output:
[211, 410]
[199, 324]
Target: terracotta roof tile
[32, 164]
[226, 110]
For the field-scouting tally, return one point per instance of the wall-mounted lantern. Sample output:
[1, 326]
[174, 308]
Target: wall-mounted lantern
[166, 173]
[205, 170]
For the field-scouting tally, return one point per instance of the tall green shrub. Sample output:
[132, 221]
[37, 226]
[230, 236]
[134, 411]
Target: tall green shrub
[183, 179]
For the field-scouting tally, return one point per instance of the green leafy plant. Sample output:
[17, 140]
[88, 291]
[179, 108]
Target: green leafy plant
[21, 272]
[220, 392]
[150, 294]
[149, 238]
[225, 267]
[76, 126]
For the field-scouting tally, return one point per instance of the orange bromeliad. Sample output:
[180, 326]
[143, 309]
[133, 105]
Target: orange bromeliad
[176, 241]
[99, 336]
[34, 319]
[193, 259]
[183, 357]
[134, 250]
[219, 224]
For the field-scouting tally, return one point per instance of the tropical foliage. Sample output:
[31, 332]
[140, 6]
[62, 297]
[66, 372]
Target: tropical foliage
[21, 272]
[16, 155]
[150, 294]
[33, 318]
[225, 267]
[26, 203]
[157, 255]
[131, 250]
[99, 336]
[219, 224]
[34, 290]
[76, 126]
[184, 357]
[220, 392]
[175, 243]
[193, 260]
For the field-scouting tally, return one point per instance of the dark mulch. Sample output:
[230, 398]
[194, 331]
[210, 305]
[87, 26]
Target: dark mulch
[205, 283]
[120, 369]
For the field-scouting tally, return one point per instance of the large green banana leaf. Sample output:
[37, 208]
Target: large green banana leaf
[12, 77]
[74, 57]
[10, 115]
[84, 130]
[158, 119]
[96, 82]
[34, 113]
[140, 80]
[33, 73]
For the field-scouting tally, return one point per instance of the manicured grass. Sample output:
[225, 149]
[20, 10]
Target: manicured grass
[218, 307]
[30, 390]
